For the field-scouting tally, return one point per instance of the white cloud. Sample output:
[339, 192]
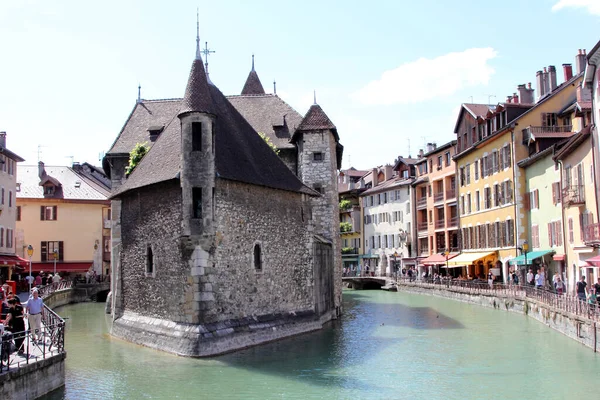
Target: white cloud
[426, 79]
[592, 6]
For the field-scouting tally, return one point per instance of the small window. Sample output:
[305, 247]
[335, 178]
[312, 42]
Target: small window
[48, 190]
[257, 257]
[197, 202]
[196, 136]
[317, 156]
[149, 261]
[18, 213]
[48, 213]
[10, 198]
[18, 186]
[318, 188]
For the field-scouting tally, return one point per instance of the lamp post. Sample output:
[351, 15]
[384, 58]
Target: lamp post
[30, 254]
[55, 255]
[525, 248]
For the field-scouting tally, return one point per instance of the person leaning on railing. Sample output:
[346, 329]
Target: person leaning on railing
[35, 306]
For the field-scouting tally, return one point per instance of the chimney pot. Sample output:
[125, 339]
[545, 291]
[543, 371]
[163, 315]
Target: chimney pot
[568, 71]
[508, 99]
[529, 85]
[552, 77]
[515, 98]
[580, 62]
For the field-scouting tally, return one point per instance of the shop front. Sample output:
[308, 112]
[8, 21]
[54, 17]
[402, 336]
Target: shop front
[475, 265]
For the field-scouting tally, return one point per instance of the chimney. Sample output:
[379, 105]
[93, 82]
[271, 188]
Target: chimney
[580, 61]
[539, 79]
[552, 76]
[3, 139]
[568, 71]
[41, 170]
[388, 172]
[421, 153]
[515, 98]
[546, 81]
[430, 147]
[374, 176]
[508, 99]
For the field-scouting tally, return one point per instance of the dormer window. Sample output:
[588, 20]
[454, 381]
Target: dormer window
[49, 190]
[155, 132]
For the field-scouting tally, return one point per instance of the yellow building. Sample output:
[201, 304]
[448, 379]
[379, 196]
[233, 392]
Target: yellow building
[491, 188]
[64, 214]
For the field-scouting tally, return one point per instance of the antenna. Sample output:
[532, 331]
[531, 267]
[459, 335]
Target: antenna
[139, 99]
[197, 34]
[489, 98]
[408, 146]
[274, 87]
[252, 61]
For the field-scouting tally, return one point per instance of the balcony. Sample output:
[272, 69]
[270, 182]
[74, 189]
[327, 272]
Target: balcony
[349, 250]
[422, 226]
[437, 197]
[573, 195]
[530, 133]
[591, 235]
[450, 194]
[439, 224]
[422, 202]
[452, 222]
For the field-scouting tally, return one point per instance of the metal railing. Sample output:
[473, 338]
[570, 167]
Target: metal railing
[563, 302]
[20, 348]
[437, 197]
[452, 221]
[422, 202]
[439, 224]
[573, 194]
[450, 194]
[44, 291]
[591, 233]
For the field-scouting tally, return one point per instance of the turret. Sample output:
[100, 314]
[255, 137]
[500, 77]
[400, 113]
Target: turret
[197, 117]
[253, 85]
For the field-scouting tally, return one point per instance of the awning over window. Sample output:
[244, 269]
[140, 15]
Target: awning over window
[60, 267]
[10, 260]
[464, 259]
[437, 259]
[594, 261]
[520, 260]
[558, 257]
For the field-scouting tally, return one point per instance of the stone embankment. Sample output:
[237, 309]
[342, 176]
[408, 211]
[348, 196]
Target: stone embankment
[564, 314]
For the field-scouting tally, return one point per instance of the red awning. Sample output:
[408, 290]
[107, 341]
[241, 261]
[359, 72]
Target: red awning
[594, 261]
[558, 257]
[437, 259]
[10, 260]
[61, 267]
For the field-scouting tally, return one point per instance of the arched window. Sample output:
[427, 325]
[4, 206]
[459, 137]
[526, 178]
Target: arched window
[257, 257]
[149, 261]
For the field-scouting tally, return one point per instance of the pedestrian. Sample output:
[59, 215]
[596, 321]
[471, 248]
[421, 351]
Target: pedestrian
[555, 279]
[15, 322]
[539, 280]
[29, 280]
[581, 288]
[44, 279]
[38, 279]
[35, 306]
[560, 286]
[597, 290]
[530, 277]
[491, 279]
[410, 275]
[56, 279]
[515, 277]
[94, 277]
[49, 281]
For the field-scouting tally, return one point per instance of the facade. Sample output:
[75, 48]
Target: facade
[350, 185]
[436, 206]
[580, 205]
[492, 189]
[218, 243]
[9, 212]
[388, 219]
[64, 210]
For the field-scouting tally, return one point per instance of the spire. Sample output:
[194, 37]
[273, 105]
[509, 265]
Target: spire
[139, 99]
[253, 85]
[315, 96]
[197, 96]
[274, 87]
[206, 51]
[197, 34]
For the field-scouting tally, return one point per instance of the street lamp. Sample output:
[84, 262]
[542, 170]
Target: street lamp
[525, 248]
[55, 255]
[30, 254]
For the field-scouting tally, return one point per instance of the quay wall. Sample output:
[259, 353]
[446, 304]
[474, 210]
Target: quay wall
[33, 380]
[578, 328]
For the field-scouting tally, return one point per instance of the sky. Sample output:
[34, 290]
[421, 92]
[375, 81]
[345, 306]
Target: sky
[391, 75]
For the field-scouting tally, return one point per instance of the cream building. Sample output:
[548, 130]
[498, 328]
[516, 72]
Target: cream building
[64, 213]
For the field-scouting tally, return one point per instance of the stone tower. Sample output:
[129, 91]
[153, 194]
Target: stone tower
[319, 158]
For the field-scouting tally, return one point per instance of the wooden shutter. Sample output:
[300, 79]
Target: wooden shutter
[550, 228]
[554, 194]
[42, 213]
[44, 251]
[508, 157]
[544, 119]
[61, 250]
[526, 201]
[559, 236]
[55, 212]
[537, 198]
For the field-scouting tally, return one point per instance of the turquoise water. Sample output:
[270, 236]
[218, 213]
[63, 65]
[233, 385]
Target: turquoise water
[386, 346]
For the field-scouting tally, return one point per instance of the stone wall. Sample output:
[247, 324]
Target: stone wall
[33, 380]
[573, 326]
[323, 174]
[277, 221]
[151, 218]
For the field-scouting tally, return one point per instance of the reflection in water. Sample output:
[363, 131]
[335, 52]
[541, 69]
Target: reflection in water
[387, 345]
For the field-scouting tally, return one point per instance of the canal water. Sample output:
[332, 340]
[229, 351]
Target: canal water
[386, 346]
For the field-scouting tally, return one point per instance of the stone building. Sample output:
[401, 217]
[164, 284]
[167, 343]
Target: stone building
[218, 243]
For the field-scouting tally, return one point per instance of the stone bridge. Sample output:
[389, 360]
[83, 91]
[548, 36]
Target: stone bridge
[367, 282]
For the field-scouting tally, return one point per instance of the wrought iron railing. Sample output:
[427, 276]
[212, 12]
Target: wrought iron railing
[452, 221]
[422, 226]
[450, 194]
[573, 194]
[591, 234]
[438, 197]
[422, 202]
[440, 223]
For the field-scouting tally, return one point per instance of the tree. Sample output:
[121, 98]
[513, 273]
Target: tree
[135, 156]
[268, 141]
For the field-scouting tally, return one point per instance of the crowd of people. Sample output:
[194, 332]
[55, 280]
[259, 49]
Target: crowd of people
[14, 315]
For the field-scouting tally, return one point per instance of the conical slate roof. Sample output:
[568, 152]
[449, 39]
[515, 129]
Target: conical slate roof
[314, 119]
[197, 96]
[253, 85]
